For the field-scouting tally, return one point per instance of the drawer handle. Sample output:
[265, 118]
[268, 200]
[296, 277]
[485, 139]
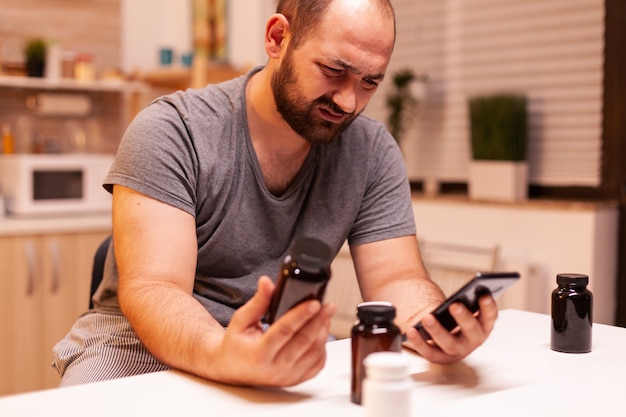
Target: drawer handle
[32, 264]
[55, 282]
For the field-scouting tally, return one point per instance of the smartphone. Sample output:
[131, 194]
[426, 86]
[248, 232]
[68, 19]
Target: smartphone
[493, 283]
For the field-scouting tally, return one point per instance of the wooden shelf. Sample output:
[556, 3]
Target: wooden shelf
[181, 78]
[121, 86]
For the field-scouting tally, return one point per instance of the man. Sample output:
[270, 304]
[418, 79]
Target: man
[212, 186]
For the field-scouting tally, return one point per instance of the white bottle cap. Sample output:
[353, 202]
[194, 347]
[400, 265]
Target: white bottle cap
[386, 365]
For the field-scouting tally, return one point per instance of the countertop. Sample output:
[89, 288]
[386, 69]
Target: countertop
[531, 203]
[121, 86]
[13, 226]
[514, 373]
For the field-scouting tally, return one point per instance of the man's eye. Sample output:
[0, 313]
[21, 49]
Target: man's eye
[369, 83]
[331, 70]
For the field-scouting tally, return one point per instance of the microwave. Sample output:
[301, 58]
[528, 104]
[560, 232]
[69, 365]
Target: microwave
[43, 184]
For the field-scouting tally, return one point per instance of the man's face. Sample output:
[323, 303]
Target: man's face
[325, 83]
[301, 113]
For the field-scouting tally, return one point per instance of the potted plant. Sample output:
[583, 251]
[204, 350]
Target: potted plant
[403, 100]
[499, 166]
[35, 55]
[400, 102]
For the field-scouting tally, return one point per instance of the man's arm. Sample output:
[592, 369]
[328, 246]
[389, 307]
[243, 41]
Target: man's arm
[392, 270]
[156, 252]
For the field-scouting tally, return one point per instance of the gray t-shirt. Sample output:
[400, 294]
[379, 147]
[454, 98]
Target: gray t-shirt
[192, 150]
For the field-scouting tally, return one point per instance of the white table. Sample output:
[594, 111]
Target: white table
[515, 373]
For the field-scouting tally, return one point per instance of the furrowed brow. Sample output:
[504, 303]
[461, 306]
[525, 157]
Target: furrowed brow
[354, 70]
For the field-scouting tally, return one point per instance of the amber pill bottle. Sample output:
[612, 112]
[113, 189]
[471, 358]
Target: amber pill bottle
[303, 275]
[374, 331]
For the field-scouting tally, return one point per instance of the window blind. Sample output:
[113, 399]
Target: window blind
[549, 50]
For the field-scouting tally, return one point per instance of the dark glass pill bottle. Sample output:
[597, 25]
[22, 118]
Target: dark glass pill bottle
[572, 305]
[303, 275]
[374, 331]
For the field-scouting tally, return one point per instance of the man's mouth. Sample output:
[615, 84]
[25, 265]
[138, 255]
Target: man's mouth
[331, 116]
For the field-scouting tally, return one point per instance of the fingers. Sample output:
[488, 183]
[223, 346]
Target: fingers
[294, 345]
[488, 313]
[291, 351]
[304, 325]
[250, 314]
[305, 354]
[449, 347]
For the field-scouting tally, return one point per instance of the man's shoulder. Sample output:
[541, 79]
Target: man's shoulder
[219, 99]
[366, 130]
[228, 89]
[225, 90]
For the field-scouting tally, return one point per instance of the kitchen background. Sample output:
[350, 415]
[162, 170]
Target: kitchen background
[552, 51]
[566, 56]
[121, 42]
[46, 258]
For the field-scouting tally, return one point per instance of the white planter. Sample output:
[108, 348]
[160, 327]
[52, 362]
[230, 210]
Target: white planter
[498, 180]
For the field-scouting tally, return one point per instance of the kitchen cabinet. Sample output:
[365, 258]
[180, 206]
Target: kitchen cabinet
[44, 286]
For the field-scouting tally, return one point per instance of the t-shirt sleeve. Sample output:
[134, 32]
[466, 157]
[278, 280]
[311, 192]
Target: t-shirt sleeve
[156, 157]
[386, 210]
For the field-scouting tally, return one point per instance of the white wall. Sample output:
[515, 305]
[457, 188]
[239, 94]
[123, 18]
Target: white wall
[550, 50]
[147, 25]
[246, 27]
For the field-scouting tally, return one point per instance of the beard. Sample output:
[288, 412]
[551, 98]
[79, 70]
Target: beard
[300, 114]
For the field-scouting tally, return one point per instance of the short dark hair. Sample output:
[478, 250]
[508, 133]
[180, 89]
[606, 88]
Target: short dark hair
[304, 16]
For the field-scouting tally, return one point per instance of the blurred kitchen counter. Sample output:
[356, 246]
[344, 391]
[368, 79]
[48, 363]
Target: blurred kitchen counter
[13, 226]
[172, 79]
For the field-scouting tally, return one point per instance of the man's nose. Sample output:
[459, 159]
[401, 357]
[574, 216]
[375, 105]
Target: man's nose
[345, 98]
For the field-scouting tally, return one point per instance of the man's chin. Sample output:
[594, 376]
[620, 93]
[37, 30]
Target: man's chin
[322, 141]
[320, 131]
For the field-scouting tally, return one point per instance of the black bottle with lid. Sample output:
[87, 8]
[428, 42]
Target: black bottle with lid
[572, 305]
[374, 331]
[303, 275]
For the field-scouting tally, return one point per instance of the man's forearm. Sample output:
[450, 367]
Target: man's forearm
[412, 297]
[156, 312]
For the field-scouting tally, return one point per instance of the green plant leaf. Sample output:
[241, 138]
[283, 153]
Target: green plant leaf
[498, 127]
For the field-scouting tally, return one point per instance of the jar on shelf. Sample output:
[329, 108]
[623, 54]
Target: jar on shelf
[84, 69]
[8, 142]
[68, 64]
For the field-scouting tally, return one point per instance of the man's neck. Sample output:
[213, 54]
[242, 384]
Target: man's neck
[280, 151]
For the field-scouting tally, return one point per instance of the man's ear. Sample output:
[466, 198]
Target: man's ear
[276, 35]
